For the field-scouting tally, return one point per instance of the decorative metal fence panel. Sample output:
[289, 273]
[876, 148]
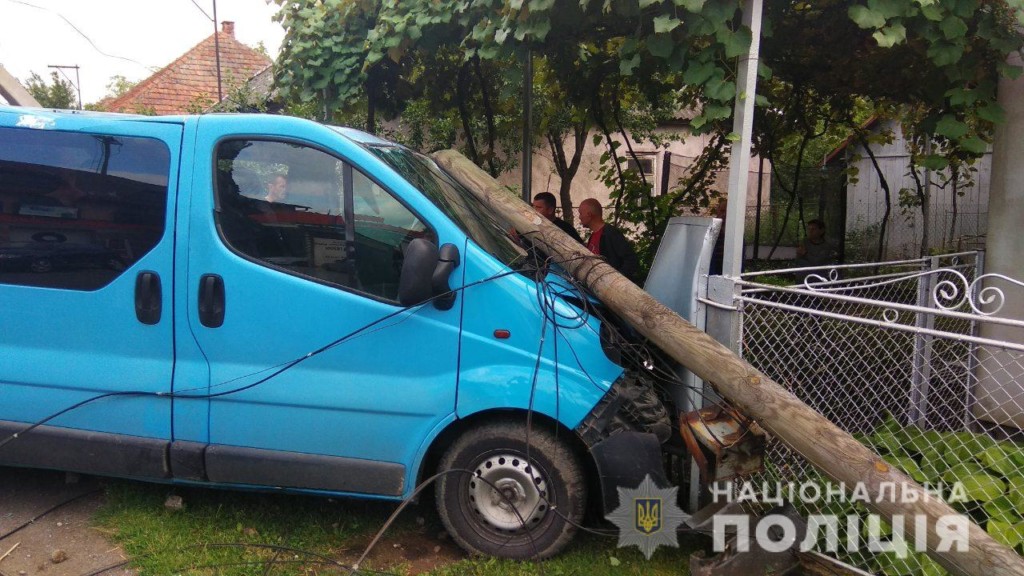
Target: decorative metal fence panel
[915, 358]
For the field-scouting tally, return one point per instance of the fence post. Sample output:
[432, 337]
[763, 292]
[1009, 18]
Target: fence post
[922, 373]
[972, 349]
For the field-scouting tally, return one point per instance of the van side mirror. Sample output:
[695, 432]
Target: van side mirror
[448, 261]
[425, 272]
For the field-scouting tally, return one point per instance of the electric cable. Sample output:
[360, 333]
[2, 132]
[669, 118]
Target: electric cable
[82, 34]
[547, 295]
[276, 371]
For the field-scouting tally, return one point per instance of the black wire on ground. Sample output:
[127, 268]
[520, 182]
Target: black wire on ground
[48, 511]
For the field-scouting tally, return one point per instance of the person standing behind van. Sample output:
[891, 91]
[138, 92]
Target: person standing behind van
[815, 250]
[608, 241]
[544, 204]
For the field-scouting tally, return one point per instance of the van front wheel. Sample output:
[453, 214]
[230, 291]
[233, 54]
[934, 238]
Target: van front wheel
[497, 502]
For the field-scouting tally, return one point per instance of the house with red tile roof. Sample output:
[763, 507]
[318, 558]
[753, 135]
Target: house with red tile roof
[189, 84]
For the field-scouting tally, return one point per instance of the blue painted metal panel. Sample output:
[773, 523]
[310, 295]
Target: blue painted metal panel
[60, 347]
[499, 373]
[376, 396]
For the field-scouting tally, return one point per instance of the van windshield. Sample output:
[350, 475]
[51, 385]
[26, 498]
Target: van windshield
[479, 223]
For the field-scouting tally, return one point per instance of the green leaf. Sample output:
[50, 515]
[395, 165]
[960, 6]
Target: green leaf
[982, 487]
[614, 561]
[930, 567]
[1009, 534]
[738, 43]
[541, 5]
[891, 35]
[933, 12]
[698, 73]
[720, 90]
[953, 28]
[950, 127]
[945, 53]
[974, 145]
[694, 6]
[660, 45]
[626, 67]
[935, 162]
[960, 471]
[891, 563]
[648, 3]
[889, 8]
[865, 17]
[1002, 510]
[995, 458]
[665, 24]
[992, 112]
[908, 466]
[732, 137]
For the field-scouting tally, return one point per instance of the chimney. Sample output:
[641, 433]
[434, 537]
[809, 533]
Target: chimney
[228, 27]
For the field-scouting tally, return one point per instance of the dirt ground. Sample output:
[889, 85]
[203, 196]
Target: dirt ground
[63, 542]
[60, 543]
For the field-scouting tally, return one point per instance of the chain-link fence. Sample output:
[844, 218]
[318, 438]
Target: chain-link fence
[916, 360]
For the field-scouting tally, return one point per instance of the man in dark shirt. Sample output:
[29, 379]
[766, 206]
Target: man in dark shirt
[544, 204]
[606, 240]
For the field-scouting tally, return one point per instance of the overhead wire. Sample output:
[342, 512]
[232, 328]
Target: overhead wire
[82, 34]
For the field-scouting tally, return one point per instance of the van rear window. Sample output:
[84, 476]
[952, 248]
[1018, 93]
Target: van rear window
[76, 210]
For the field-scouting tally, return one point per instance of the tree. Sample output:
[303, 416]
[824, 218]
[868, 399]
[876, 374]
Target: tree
[59, 94]
[934, 64]
[118, 85]
[614, 65]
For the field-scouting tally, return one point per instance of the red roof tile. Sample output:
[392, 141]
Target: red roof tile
[189, 84]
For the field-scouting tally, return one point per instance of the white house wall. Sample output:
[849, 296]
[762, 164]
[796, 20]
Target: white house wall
[586, 184]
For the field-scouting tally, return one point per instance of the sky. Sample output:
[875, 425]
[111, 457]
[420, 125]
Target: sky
[132, 38]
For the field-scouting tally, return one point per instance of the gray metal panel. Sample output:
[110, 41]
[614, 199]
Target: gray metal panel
[683, 257]
[678, 278]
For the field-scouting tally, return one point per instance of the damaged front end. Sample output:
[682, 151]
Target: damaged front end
[635, 432]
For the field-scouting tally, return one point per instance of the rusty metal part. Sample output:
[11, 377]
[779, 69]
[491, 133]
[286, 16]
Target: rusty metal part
[722, 443]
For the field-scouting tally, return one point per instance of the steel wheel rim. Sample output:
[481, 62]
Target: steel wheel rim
[507, 493]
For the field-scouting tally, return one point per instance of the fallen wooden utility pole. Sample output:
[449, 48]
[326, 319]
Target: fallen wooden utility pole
[778, 411]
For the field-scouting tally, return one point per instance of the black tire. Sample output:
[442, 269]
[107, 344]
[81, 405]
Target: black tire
[481, 520]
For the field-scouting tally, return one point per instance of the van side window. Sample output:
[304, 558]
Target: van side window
[303, 211]
[76, 210]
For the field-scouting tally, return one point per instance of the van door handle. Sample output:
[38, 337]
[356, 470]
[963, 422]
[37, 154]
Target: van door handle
[211, 300]
[148, 297]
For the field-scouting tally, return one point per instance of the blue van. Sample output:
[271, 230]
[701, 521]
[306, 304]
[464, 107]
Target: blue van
[268, 303]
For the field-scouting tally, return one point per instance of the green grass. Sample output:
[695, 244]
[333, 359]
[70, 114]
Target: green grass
[228, 533]
[589, 555]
